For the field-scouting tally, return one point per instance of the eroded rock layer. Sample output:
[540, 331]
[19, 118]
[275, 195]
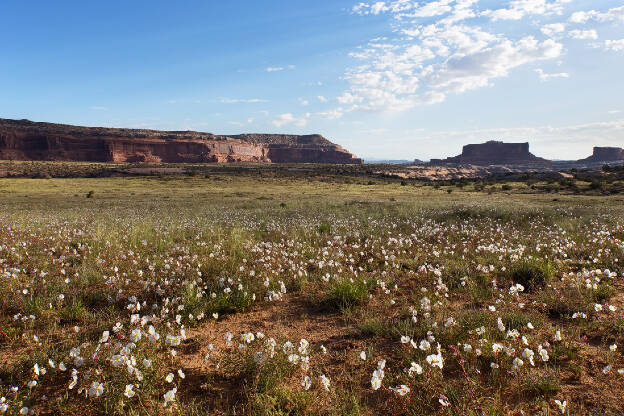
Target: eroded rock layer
[606, 154]
[493, 153]
[27, 140]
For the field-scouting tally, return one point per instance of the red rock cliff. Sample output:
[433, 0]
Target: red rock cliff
[26, 140]
[493, 153]
[605, 154]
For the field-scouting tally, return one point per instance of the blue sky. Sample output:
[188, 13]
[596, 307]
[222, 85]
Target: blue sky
[385, 79]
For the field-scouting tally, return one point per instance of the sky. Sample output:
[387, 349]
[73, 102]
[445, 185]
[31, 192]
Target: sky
[397, 79]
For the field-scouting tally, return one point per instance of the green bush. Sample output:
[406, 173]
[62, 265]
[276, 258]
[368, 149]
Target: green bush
[347, 293]
[532, 274]
[325, 228]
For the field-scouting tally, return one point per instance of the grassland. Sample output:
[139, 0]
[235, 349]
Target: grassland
[268, 293]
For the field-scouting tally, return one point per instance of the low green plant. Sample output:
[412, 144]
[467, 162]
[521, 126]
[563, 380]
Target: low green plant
[532, 274]
[346, 293]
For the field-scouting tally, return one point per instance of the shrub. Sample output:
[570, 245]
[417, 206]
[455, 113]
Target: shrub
[534, 385]
[347, 293]
[532, 274]
[596, 185]
[325, 228]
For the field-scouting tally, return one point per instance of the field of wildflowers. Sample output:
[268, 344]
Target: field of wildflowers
[242, 295]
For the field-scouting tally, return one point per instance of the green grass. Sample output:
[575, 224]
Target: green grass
[345, 294]
[321, 241]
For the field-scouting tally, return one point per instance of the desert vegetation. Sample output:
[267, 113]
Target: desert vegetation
[267, 292]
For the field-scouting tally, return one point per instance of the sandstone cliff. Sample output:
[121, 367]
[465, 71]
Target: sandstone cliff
[27, 140]
[605, 154]
[493, 153]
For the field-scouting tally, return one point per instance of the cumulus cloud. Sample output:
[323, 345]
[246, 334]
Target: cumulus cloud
[322, 99]
[546, 77]
[242, 100]
[348, 98]
[441, 48]
[434, 8]
[583, 34]
[553, 29]
[614, 14]
[331, 114]
[582, 16]
[428, 59]
[379, 7]
[520, 8]
[464, 73]
[288, 118]
[279, 68]
[614, 45]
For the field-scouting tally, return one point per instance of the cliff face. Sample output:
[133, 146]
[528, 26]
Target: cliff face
[605, 154]
[493, 153]
[26, 140]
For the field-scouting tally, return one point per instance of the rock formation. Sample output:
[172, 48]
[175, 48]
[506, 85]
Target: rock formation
[27, 140]
[493, 153]
[605, 154]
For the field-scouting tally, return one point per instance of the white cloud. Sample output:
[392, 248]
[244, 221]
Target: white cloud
[331, 114]
[303, 102]
[614, 111]
[504, 14]
[242, 100]
[520, 8]
[99, 108]
[614, 14]
[348, 98]
[446, 56]
[545, 77]
[614, 45]
[236, 123]
[379, 7]
[434, 8]
[288, 118]
[322, 99]
[553, 29]
[584, 34]
[464, 73]
[582, 16]
[279, 68]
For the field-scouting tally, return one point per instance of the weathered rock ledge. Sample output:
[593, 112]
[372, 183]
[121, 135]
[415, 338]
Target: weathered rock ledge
[605, 154]
[27, 140]
[493, 153]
